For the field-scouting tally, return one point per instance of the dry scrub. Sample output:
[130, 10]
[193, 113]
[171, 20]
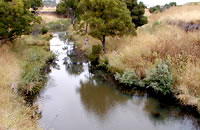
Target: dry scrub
[13, 113]
[159, 41]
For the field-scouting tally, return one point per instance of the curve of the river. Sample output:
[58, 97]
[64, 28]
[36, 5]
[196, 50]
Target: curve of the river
[76, 99]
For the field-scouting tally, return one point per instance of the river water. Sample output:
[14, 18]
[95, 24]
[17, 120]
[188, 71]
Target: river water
[76, 99]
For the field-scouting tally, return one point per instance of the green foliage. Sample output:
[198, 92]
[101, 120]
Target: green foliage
[129, 78]
[160, 78]
[172, 4]
[44, 30]
[35, 4]
[104, 64]
[70, 9]
[137, 12]
[15, 19]
[94, 56]
[107, 18]
[32, 75]
[154, 9]
[159, 8]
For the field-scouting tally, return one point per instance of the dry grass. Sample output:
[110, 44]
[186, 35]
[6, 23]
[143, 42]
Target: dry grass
[156, 41]
[47, 9]
[185, 13]
[13, 113]
[46, 18]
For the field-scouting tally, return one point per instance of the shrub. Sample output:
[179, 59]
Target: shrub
[129, 78]
[160, 78]
[104, 64]
[159, 8]
[94, 56]
[44, 30]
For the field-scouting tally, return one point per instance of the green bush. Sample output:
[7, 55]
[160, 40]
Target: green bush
[44, 30]
[129, 78]
[104, 64]
[160, 78]
[94, 56]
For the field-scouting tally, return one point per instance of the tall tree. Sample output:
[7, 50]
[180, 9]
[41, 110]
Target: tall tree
[15, 19]
[35, 4]
[107, 18]
[70, 9]
[137, 12]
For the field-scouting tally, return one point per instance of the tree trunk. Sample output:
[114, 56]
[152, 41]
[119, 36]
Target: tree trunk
[104, 43]
[86, 31]
[86, 28]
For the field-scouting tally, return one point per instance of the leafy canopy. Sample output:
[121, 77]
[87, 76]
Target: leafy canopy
[35, 4]
[15, 19]
[137, 12]
[69, 8]
[107, 18]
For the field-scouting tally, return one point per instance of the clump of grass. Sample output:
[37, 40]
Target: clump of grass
[34, 61]
[33, 75]
[14, 114]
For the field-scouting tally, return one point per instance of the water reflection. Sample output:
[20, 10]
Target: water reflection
[99, 97]
[77, 99]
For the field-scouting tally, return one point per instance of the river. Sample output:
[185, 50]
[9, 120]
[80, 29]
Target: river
[76, 99]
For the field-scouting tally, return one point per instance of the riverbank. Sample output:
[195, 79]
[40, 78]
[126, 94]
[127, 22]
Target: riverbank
[156, 43]
[14, 59]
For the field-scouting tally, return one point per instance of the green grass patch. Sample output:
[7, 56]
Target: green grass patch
[35, 57]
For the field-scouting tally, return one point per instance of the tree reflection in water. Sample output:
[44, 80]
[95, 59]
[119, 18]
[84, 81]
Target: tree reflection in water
[99, 97]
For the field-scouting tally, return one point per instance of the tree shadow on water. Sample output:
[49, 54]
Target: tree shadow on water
[99, 97]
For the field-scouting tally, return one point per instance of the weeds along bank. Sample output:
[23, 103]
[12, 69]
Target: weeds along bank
[23, 68]
[162, 57]
[21, 62]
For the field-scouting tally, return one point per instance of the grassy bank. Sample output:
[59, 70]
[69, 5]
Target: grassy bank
[34, 54]
[23, 69]
[20, 69]
[158, 42]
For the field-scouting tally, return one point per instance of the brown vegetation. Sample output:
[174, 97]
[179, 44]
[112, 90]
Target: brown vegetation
[160, 41]
[13, 112]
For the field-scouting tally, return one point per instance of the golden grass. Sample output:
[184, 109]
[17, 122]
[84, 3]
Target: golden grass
[13, 113]
[156, 41]
[185, 13]
[47, 9]
[46, 18]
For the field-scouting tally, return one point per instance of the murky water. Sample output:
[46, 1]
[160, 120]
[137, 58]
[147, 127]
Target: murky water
[75, 99]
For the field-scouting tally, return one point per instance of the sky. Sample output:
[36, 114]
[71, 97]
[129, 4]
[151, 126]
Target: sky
[150, 3]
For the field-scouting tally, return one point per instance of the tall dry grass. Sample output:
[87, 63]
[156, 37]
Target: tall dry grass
[13, 113]
[185, 13]
[159, 41]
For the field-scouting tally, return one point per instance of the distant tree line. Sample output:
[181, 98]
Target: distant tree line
[159, 8]
[16, 17]
[104, 17]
